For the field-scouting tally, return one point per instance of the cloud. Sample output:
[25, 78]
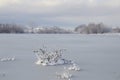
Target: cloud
[59, 6]
[64, 12]
[112, 3]
[4, 3]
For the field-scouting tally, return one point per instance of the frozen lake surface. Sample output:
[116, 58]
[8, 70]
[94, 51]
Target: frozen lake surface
[97, 55]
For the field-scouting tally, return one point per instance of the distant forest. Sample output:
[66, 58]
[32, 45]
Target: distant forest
[90, 28]
[11, 28]
[93, 28]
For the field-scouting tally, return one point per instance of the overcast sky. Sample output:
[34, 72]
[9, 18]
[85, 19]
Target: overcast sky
[63, 13]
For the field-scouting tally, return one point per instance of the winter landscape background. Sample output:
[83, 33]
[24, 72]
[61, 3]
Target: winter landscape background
[88, 29]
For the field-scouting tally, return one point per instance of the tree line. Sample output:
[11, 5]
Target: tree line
[50, 30]
[91, 28]
[11, 28]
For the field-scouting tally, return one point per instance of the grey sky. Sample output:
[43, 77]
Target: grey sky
[60, 12]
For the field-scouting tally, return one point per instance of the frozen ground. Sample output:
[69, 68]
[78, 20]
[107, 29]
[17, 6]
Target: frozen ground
[97, 55]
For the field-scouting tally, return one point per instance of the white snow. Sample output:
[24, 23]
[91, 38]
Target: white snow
[64, 75]
[5, 59]
[73, 67]
[50, 58]
[97, 56]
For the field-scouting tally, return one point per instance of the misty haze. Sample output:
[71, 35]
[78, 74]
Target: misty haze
[59, 39]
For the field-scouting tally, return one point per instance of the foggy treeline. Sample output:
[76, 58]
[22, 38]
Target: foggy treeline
[11, 28]
[91, 28]
[51, 30]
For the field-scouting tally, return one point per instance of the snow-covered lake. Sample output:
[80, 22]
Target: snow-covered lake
[97, 55]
